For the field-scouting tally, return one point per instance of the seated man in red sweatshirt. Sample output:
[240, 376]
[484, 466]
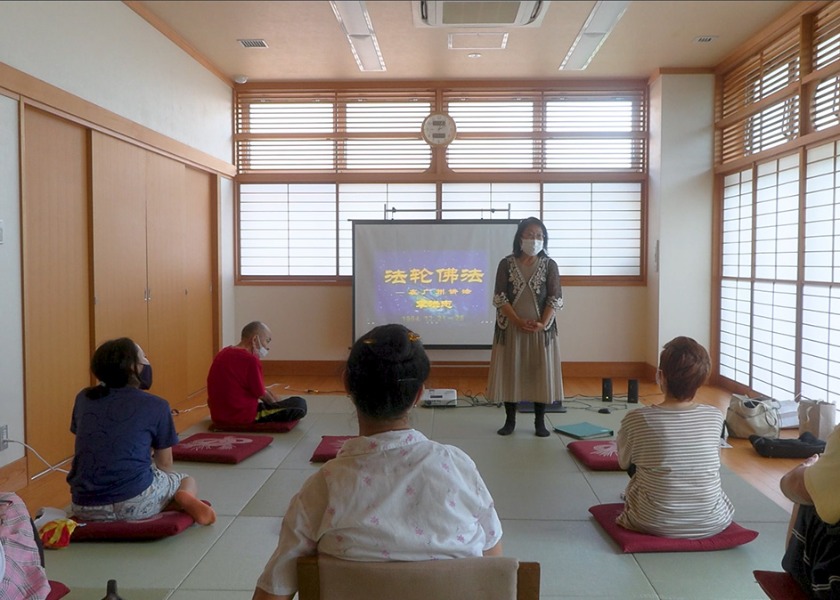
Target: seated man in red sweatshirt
[236, 394]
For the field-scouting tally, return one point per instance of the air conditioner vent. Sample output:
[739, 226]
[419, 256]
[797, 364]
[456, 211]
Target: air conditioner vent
[479, 13]
[253, 43]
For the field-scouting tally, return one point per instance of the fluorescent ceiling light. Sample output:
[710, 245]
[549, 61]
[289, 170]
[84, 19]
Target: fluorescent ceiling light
[353, 17]
[601, 21]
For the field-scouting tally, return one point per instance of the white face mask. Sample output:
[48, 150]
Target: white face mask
[262, 350]
[532, 247]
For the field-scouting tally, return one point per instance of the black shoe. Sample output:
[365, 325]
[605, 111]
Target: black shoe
[510, 419]
[539, 421]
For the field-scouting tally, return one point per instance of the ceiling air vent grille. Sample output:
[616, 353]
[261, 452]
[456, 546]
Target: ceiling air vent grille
[478, 13]
[253, 43]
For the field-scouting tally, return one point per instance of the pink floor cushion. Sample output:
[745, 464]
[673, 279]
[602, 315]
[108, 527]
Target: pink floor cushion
[274, 427]
[219, 447]
[329, 447]
[57, 590]
[598, 455]
[779, 585]
[633, 541]
[165, 524]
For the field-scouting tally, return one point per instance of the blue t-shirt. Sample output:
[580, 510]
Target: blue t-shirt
[114, 438]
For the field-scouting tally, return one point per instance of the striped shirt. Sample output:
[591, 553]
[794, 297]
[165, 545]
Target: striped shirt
[676, 490]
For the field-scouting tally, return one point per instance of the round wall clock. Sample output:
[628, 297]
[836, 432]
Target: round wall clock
[438, 129]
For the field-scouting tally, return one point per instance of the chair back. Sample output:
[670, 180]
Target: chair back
[482, 578]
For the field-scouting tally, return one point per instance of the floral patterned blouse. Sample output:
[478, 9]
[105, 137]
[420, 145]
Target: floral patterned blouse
[543, 285]
[391, 496]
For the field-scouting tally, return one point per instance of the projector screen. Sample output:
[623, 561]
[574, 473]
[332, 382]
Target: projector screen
[434, 277]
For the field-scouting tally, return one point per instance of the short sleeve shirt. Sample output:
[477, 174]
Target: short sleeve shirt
[234, 386]
[391, 496]
[822, 480]
[676, 489]
[115, 435]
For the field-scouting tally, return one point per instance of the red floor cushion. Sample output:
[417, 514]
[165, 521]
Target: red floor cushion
[57, 590]
[329, 447]
[274, 427]
[165, 524]
[779, 585]
[598, 455]
[219, 447]
[634, 541]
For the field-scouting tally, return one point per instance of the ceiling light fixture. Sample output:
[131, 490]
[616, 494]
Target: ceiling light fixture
[353, 17]
[600, 23]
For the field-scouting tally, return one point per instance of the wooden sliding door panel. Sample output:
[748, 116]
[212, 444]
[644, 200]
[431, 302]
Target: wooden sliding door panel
[167, 235]
[199, 270]
[119, 239]
[56, 283]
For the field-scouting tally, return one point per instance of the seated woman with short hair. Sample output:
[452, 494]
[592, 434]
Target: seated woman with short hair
[672, 452]
[391, 493]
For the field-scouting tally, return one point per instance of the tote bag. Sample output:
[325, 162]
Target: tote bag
[752, 416]
[817, 418]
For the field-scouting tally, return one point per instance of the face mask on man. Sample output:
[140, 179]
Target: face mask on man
[262, 350]
[145, 377]
[532, 247]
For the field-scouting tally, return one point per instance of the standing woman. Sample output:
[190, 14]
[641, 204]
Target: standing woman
[525, 361]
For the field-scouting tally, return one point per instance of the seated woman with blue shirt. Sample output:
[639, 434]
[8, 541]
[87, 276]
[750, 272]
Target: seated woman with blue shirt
[122, 467]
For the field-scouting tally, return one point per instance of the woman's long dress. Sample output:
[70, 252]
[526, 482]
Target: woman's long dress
[522, 365]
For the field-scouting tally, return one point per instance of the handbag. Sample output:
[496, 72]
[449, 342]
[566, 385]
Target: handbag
[753, 416]
[817, 418]
[803, 447]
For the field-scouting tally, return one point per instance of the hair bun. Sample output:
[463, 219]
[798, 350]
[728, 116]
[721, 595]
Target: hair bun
[392, 343]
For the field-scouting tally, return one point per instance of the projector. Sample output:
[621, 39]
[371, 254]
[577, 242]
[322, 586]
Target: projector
[440, 397]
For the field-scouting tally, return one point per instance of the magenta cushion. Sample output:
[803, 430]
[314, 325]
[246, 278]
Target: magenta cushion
[274, 427]
[57, 590]
[165, 524]
[329, 447]
[779, 586]
[598, 455]
[634, 541]
[219, 447]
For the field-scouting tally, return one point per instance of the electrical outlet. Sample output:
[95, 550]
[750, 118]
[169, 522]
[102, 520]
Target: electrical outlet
[4, 437]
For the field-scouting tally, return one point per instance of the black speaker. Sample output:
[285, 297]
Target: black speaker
[606, 390]
[633, 390]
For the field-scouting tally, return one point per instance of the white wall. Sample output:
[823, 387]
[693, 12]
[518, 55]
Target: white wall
[597, 324]
[11, 317]
[230, 325]
[682, 180]
[106, 54]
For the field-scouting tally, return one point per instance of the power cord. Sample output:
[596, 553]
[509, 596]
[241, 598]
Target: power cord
[35, 452]
[478, 400]
[179, 411]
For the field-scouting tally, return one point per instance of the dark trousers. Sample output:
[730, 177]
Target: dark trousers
[813, 554]
[290, 409]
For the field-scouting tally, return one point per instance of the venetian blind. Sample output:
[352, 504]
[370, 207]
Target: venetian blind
[759, 100]
[320, 131]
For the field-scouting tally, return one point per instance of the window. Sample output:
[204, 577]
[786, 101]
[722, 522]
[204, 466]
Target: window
[311, 161]
[766, 294]
[779, 288]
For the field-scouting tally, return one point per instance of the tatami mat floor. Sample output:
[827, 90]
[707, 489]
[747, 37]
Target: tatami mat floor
[542, 495]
